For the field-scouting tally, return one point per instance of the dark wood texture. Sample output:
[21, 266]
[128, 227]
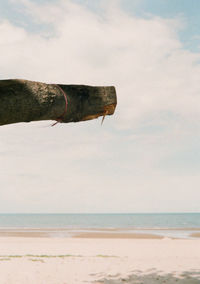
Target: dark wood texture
[25, 101]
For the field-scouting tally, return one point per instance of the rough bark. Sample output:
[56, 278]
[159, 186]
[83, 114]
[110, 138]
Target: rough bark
[25, 101]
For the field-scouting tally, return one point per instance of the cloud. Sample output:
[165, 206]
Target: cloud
[157, 83]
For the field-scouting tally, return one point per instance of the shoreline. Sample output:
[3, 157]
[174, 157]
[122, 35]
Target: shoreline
[67, 234]
[102, 233]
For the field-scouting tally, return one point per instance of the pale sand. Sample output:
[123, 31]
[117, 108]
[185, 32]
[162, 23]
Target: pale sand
[108, 261]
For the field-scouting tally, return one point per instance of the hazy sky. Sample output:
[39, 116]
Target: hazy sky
[145, 158]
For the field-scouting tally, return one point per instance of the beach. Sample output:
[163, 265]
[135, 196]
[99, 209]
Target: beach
[32, 258]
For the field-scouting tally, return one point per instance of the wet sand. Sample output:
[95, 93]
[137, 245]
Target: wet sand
[123, 233]
[86, 233]
[101, 233]
[106, 235]
[195, 235]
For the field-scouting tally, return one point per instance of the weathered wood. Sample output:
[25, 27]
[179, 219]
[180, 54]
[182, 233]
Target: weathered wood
[25, 101]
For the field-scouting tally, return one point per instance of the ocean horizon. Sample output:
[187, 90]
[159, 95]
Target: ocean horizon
[101, 220]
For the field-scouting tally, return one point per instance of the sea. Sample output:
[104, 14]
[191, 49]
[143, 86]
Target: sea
[169, 225]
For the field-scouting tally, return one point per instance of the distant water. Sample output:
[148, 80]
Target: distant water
[134, 221]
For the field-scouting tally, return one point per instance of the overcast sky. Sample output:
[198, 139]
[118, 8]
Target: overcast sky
[146, 157]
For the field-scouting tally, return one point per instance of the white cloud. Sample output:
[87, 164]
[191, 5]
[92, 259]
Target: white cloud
[158, 89]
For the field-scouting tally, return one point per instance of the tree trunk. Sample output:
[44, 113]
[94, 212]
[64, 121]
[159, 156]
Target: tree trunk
[25, 101]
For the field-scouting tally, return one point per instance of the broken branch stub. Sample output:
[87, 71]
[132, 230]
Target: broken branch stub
[25, 101]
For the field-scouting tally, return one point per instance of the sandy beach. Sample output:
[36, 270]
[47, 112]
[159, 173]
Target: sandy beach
[98, 260]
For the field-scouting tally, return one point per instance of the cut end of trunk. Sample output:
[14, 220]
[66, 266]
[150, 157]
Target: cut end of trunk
[108, 110]
[102, 103]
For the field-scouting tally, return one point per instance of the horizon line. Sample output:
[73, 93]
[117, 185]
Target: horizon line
[90, 213]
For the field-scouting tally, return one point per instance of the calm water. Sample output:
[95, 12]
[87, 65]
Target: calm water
[126, 221]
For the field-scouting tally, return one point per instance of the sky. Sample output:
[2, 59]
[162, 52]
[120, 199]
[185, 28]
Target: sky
[146, 157]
